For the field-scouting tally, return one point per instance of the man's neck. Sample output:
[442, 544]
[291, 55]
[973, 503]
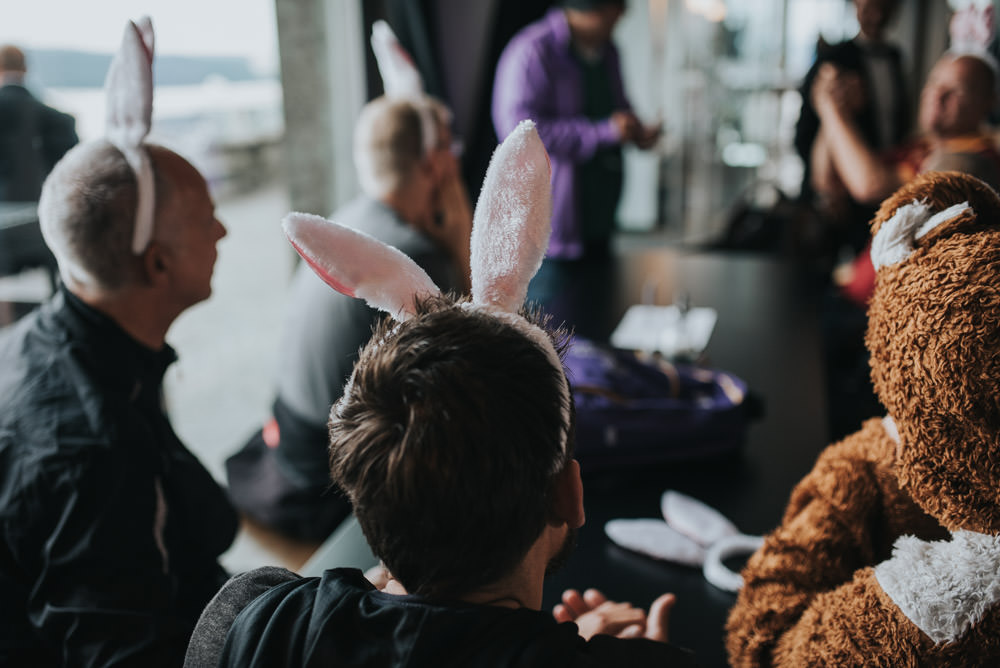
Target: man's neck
[11, 78]
[138, 315]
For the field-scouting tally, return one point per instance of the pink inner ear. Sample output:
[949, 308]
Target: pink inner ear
[322, 272]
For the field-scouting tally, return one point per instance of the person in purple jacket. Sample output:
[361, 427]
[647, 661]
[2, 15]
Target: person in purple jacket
[563, 72]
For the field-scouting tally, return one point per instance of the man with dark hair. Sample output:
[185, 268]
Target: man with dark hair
[453, 440]
[33, 136]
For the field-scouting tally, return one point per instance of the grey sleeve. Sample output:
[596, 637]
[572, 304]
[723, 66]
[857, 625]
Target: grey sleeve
[209, 635]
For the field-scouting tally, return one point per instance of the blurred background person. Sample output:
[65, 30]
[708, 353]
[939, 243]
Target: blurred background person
[875, 97]
[955, 103]
[33, 136]
[413, 200]
[563, 72]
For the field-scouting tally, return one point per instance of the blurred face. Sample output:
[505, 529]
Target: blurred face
[874, 16]
[593, 27]
[188, 231]
[956, 97]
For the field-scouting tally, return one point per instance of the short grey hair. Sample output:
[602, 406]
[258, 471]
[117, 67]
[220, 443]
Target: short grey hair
[87, 215]
[389, 141]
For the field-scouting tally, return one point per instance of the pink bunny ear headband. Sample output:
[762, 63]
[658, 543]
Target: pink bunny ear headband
[510, 232]
[401, 79]
[690, 533]
[129, 90]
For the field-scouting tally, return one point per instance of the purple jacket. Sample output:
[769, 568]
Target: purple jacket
[538, 78]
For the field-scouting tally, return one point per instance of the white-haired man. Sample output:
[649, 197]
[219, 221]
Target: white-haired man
[111, 528]
[412, 199]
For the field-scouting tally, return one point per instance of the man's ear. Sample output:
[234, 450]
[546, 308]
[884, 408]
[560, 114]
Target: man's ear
[156, 263]
[567, 504]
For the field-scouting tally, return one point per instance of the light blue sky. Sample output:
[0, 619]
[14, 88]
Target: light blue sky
[183, 27]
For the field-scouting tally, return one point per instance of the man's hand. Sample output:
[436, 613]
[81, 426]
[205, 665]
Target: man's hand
[627, 124]
[594, 613]
[836, 90]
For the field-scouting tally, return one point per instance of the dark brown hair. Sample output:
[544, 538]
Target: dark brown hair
[446, 441]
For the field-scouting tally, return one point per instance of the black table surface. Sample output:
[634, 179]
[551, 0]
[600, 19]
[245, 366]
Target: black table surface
[767, 333]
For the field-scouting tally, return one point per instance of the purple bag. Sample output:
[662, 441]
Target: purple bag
[635, 408]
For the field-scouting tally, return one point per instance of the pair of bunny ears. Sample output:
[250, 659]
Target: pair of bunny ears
[690, 533]
[896, 238]
[510, 233]
[129, 95]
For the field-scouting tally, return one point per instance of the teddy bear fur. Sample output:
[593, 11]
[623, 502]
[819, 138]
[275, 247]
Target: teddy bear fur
[814, 593]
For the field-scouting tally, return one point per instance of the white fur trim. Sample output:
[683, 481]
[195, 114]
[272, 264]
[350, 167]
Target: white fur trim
[943, 587]
[890, 428]
[656, 539]
[716, 572]
[695, 519]
[894, 241]
[511, 223]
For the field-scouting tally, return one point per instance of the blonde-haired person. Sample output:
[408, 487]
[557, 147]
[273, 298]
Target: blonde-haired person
[412, 198]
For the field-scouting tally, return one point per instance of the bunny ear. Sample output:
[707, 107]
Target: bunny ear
[400, 78]
[357, 265]
[129, 90]
[655, 539]
[511, 225]
[695, 519]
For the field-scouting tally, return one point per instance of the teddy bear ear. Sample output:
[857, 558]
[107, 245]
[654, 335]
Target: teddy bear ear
[511, 224]
[932, 206]
[358, 265]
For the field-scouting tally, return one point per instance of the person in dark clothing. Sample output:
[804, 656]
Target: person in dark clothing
[33, 136]
[453, 439]
[465, 513]
[880, 110]
[110, 529]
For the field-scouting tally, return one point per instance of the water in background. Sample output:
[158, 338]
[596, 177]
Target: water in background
[230, 130]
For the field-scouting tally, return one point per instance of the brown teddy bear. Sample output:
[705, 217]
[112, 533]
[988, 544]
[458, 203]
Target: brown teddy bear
[889, 553]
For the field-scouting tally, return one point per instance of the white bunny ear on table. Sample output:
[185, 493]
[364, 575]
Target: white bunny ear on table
[129, 94]
[656, 539]
[358, 265]
[695, 519]
[511, 224]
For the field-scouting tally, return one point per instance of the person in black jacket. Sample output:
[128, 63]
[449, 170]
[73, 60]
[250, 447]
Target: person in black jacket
[110, 529]
[454, 442]
[880, 105]
[33, 136]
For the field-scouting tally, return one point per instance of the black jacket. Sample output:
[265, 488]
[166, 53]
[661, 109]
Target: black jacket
[110, 529]
[341, 620]
[33, 137]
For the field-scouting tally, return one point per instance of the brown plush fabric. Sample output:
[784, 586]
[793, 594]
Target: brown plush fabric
[810, 595]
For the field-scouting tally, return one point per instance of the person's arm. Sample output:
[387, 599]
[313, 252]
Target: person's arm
[523, 89]
[867, 178]
[102, 591]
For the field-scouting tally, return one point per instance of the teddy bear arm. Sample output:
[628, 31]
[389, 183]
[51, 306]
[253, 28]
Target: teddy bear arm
[852, 625]
[824, 538]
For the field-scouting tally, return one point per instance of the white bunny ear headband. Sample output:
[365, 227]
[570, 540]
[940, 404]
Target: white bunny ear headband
[971, 31]
[129, 90]
[897, 237]
[690, 533]
[510, 232]
[401, 79]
